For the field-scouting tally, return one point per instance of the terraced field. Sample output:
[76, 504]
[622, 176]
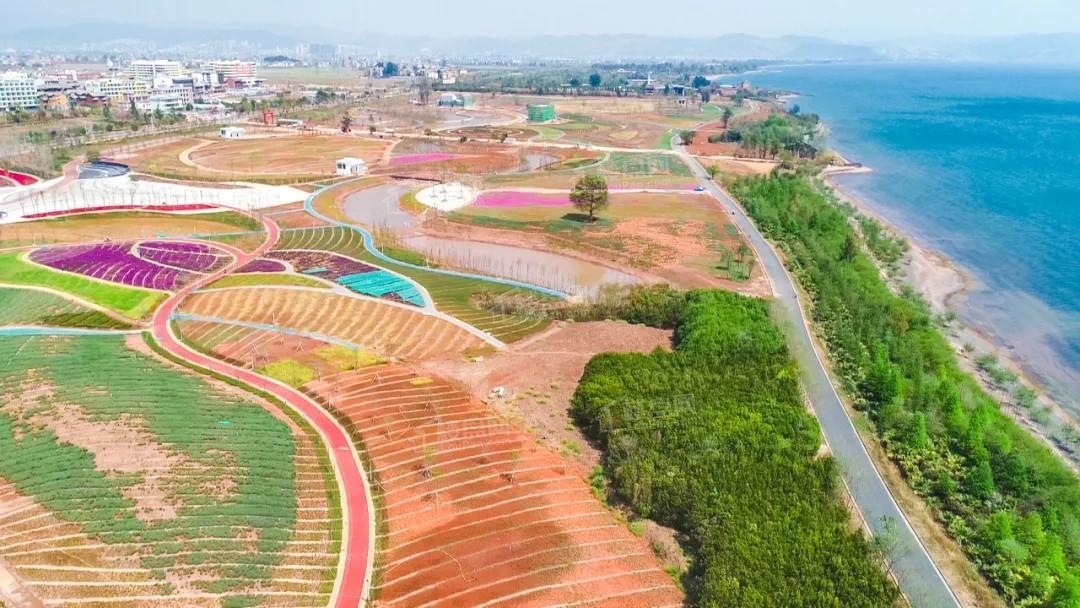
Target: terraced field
[473, 512]
[355, 275]
[124, 226]
[453, 295]
[128, 301]
[128, 482]
[33, 307]
[390, 330]
[476, 513]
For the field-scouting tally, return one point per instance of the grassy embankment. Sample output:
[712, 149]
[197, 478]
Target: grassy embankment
[1000, 493]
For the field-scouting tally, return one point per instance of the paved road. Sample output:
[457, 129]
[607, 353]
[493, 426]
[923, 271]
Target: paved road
[353, 582]
[919, 577]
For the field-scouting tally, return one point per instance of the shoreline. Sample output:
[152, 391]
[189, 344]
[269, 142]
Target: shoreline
[943, 283]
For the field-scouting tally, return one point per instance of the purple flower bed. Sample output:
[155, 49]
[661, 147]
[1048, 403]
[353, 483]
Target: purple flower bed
[422, 157]
[181, 246]
[186, 256]
[333, 266]
[262, 265]
[112, 262]
[511, 198]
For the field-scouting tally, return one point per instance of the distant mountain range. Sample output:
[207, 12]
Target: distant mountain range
[1050, 48]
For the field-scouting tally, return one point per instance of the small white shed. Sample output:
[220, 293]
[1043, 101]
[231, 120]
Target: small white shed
[351, 166]
[231, 132]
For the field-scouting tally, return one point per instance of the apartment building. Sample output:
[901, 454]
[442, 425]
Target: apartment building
[17, 90]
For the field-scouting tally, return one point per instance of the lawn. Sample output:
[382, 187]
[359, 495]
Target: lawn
[266, 278]
[128, 301]
[314, 76]
[33, 307]
[646, 164]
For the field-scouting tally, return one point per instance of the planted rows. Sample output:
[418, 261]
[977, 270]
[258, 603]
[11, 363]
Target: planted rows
[357, 276]
[32, 307]
[390, 330]
[128, 301]
[453, 295]
[141, 482]
[197, 257]
[475, 513]
[116, 263]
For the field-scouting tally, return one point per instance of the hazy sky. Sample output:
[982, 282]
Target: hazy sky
[843, 19]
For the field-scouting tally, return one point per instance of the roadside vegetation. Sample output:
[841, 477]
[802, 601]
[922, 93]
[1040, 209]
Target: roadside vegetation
[791, 134]
[1003, 495]
[714, 441]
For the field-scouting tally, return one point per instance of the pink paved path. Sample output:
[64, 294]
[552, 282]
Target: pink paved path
[352, 585]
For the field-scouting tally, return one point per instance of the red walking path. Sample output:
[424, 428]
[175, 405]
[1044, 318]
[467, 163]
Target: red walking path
[353, 583]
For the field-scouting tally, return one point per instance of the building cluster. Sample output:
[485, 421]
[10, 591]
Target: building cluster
[147, 85]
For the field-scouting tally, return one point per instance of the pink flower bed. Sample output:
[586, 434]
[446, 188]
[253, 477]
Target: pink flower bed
[510, 198]
[23, 179]
[102, 208]
[424, 157]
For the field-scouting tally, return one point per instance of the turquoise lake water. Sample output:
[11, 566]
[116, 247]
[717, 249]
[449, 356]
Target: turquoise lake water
[981, 163]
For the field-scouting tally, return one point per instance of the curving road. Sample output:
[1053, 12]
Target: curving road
[920, 579]
[353, 581]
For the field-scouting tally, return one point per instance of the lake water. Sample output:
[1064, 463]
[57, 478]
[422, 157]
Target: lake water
[981, 163]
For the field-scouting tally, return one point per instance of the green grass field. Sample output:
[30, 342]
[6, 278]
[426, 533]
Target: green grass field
[266, 278]
[452, 294]
[646, 164]
[317, 76]
[229, 485]
[32, 307]
[129, 301]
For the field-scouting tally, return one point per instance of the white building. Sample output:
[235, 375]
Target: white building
[111, 87]
[231, 69]
[167, 86]
[17, 90]
[147, 69]
[231, 132]
[351, 166]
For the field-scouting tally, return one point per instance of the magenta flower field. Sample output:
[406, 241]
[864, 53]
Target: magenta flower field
[511, 198]
[423, 157]
[262, 265]
[184, 255]
[113, 262]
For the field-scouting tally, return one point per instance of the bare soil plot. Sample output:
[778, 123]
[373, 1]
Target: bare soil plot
[302, 154]
[540, 374]
[389, 330]
[682, 238]
[435, 159]
[741, 167]
[475, 513]
[494, 133]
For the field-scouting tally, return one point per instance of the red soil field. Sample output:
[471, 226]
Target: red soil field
[388, 330]
[476, 513]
